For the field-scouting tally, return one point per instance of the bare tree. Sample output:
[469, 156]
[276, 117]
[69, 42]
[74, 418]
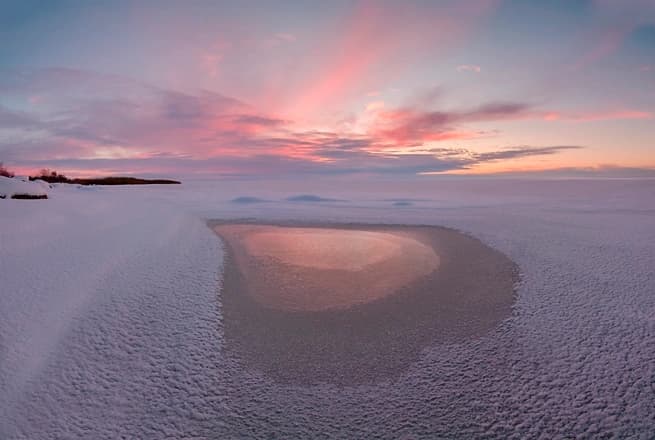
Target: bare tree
[4, 171]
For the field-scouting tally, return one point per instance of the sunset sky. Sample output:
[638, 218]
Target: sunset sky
[272, 88]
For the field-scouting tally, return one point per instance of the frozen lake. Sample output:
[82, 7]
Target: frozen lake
[112, 324]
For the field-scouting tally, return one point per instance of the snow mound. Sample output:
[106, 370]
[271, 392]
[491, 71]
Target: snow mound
[10, 187]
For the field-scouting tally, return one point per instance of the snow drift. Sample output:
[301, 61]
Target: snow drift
[16, 187]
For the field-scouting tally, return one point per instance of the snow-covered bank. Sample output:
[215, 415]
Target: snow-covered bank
[94, 290]
[111, 325]
[17, 187]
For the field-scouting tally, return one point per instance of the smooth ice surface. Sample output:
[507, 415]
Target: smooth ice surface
[111, 322]
[322, 268]
[324, 248]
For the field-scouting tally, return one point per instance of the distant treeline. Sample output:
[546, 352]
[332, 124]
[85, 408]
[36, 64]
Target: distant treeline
[54, 177]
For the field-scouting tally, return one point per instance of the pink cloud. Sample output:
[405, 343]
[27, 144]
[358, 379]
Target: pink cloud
[373, 45]
[210, 63]
[124, 125]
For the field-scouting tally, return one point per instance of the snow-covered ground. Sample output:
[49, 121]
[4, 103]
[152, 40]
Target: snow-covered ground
[22, 186]
[111, 325]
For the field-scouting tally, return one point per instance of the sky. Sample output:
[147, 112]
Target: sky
[411, 89]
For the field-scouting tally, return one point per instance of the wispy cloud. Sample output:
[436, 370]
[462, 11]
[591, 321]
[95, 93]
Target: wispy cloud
[285, 36]
[412, 125]
[469, 68]
[373, 43]
[522, 151]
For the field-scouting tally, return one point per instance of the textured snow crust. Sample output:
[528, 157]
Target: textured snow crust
[111, 324]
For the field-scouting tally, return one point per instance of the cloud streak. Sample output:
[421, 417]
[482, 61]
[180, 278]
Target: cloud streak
[413, 126]
[608, 115]
[469, 68]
